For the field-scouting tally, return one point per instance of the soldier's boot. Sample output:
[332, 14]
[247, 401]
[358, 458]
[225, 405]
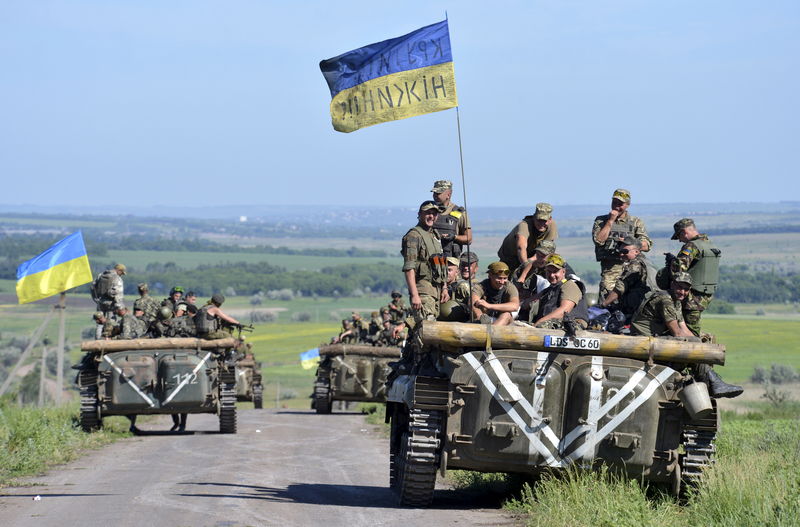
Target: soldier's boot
[719, 388]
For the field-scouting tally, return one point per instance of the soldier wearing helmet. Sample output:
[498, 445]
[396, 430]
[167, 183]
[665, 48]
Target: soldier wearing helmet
[452, 224]
[397, 308]
[608, 232]
[210, 318]
[173, 301]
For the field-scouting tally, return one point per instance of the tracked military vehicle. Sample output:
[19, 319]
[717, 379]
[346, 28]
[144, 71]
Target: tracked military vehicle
[158, 376]
[248, 378]
[524, 400]
[352, 372]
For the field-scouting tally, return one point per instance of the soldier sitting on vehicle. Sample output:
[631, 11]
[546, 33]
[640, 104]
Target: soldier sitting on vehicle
[495, 299]
[564, 299]
[349, 334]
[161, 326]
[210, 318]
[174, 298]
[375, 326]
[108, 328]
[130, 326]
[637, 278]
[661, 313]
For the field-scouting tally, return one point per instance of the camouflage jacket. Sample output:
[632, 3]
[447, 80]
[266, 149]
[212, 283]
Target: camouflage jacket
[688, 254]
[636, 226]
[631, 286]
[131, 327]
[148, 305]
[652, 317]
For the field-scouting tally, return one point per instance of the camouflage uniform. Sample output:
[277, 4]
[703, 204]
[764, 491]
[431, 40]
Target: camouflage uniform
[397, 310]
[462, 294]
[422, 252]
[112, 299]
[181, 327]
[148, 305]
[131, 327]
[508, 249]
[651, 319]
[631, 285]
[611, 264]
[110, 329]
[697, 301]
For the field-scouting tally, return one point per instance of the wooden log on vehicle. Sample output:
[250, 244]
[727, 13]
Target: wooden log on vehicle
[360, 349]
[454, 335]
[157, 344]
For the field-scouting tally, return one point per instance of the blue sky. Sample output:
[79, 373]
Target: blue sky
[200, 103]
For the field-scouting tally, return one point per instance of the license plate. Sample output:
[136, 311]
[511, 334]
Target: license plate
[573, 343]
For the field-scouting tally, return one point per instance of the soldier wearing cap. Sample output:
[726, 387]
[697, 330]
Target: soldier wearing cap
[700, 258]
[452, 275]
[468, 265]
[146, 303]
[108, 328]
[564, 298]
[130, 326]
[452, 224]
[662, 314]
[397, 308]
[424, 266]
[635, 281]
[518, 246]
[495, 299]
[108, 293]
[608, 232]
[209, 318]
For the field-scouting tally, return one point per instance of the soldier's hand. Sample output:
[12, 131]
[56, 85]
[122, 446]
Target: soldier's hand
[416, 302]
[613, 214]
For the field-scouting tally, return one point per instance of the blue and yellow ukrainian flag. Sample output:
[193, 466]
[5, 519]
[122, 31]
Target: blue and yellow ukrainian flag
[308, 359]
[63, 266]
[394, 79]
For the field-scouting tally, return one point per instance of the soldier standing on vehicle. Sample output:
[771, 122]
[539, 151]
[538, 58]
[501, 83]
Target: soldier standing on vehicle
[565, 298]
[495, 299]
[107, 292]
[452, 224]
[661, 313]
[519, 244]
[424, 266]
[146, 303]
[608, 232]
[700, 258]
[634, 282]
[397, 307]
[209, 319]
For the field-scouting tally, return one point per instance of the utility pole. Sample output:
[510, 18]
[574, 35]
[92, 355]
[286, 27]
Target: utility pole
[42, 376]
[62, 305]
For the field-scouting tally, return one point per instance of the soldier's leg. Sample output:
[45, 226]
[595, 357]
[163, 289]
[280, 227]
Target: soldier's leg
[716, 386]
[693, 308]
[608, 277]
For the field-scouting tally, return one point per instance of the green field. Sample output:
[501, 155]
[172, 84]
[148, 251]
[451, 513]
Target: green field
[138, 260]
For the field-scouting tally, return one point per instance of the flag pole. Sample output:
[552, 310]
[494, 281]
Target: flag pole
[62, 306]
[464, 190]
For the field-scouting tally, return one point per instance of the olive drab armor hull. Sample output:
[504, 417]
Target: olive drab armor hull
[352, 373]
[554, 402]
[248, 381]
[705, 270]
[150, 377]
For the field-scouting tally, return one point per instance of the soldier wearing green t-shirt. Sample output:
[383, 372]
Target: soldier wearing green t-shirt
[519, 244]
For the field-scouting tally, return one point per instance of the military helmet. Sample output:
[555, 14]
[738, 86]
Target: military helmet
[164, 313]
[452, 311]
[396, 294]
[176, 289]
[98, 315]
[217, 299]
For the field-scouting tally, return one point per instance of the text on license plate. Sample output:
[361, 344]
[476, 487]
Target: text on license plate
[575, 343]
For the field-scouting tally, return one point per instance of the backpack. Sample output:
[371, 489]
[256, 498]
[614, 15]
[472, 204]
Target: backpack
[102, 285]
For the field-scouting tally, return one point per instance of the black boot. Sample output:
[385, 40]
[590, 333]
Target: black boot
[719, 388]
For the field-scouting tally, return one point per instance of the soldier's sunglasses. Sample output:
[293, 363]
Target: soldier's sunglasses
[623, 251]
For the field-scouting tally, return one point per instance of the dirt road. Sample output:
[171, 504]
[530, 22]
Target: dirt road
[282, 468]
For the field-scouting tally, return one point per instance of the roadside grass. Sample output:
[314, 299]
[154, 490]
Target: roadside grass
[33, 439]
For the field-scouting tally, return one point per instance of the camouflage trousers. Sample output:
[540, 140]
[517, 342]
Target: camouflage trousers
[609, 272]
[693, 308]
[216, 335]
[428, 311]
[558, 323]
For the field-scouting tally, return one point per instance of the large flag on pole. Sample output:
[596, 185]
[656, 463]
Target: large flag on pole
[63, 266]
[394, 79]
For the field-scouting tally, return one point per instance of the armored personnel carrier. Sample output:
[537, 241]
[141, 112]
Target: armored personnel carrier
[158, 376]
[525, 400]
[352, 372]
[248, 378]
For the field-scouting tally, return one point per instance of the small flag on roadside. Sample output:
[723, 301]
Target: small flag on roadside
[309, 358]
[394, 79]
[63, 266]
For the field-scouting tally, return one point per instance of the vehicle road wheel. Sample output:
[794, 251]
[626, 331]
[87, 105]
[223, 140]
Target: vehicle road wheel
[90, 406]
[227, 407]
[399, 426]
[258, 397]
[323, 402]
[417, 458]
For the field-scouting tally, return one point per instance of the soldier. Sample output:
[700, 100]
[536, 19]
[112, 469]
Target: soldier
[360, 326]
[530, 279]
[146, 303]
[173, 301]
[634, 282]
[424, 266]
[452, 275]
[495, 299]
[397, 308]
[182, 326]
[662, 314]
[108, 328]
[107, 292]
[349, 334]
[209, 318]
[523, 239]
[564, 299]
[452, 224]
[130, 327]
[700, 258]
[374, 328]
[191, 302]
[161, 326]
[608, 232]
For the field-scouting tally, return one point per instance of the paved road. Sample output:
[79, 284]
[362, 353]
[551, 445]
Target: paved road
[278, 470]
